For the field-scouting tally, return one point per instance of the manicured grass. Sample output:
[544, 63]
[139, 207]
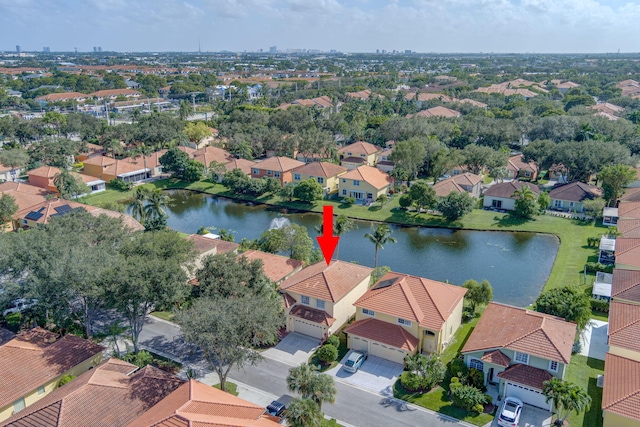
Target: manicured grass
[342, 351]
[584, 372]
[598, 315]
[232, 388]
[459, 340]
[165, 315]
[330, 423]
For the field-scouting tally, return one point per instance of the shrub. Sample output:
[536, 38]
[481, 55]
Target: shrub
[65, 379]
[479, 408]
[459, 369]
[333, 340]
[594, 267]
[327, 353]
[140, 359]
[349, 200]
[120, 185]
[601, 305]
[476, 379]
[13, 321]
[467, 397]
[405, 201]
[577, 347]
[410, 381]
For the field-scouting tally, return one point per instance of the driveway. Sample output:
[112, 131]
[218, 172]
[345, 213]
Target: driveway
[294, 349]
[531, 417]
[376, 374]
[594, 339]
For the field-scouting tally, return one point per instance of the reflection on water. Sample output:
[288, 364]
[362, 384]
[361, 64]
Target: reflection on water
[516, 264]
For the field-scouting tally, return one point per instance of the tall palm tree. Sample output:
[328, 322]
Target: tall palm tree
[157, 202]
[310, 384]
[303, 413]
[342, 225]
[323, 390]
[566, 397]
[381, 235]
[138, 211]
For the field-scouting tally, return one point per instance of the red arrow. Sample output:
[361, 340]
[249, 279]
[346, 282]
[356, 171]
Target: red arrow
[327, 241]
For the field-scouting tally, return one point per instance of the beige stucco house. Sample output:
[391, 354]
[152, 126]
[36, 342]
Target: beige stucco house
[364, 183]
[326, 174]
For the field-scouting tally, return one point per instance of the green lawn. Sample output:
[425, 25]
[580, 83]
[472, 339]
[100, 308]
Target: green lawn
[231, 388]
[598, 315]
[330, 423]
[584, 371]
[165, 315]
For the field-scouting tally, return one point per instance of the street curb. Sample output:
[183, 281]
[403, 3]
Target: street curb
[168, 322]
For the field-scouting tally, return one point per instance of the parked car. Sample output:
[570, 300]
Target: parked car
[277, 407]
[355, 360]
[19, 305]
[510, 412]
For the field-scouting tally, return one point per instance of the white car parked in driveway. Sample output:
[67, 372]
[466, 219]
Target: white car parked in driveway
[510, 413]
[19, 305]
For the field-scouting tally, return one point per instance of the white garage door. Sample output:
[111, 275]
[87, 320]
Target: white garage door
[527, 395]
[387, 352]
[307, 328]
[358, 343]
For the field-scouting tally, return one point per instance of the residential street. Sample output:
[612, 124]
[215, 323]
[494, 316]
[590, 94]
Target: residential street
[354, 406]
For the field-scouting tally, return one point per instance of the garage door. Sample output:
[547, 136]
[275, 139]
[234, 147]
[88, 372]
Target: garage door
[358, 343]
[387, 352]
[307, 328]
[528, 395]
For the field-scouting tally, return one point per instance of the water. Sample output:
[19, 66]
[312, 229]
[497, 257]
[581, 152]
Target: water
[516, 264]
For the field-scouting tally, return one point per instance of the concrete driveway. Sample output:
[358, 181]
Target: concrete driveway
[294, 349]
[531, 417]
[594, 339]
[375, 374]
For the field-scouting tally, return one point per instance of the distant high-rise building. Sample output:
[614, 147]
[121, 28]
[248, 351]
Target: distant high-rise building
[384, 51]
[273, 49]
[95, 49]
[377, 50]
[407, 51]
[99, 49]
[18, 48]
[46, 49]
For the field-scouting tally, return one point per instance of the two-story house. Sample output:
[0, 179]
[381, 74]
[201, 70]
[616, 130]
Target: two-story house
[319, 299]
[358, 154]
[277, 167]
[326, 174]
[403, 314]
[519, 350]
[364, 183]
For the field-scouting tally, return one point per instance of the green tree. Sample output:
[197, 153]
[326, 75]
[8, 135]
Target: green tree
[525, 206]
[409, 156]
[456, 205]
[194, 171]
[196, 131]
[327, 353]
[566, 397]
[292, 239]
[568, 302]
[185, 110]
[229, 276]
[478, 293]
[157, 202]
[428, 369]
[468, 398]
[229, 338]
[312, 385]
[287, 192]
[69, 185]
[216, 171]
[138, 205]
[614, 179]
[303, 413]
[175, 161]
[382, 199]
[381, 236]
[544, 201]
[423, 195]
[308, 190]
[8, 207]
[594, 207]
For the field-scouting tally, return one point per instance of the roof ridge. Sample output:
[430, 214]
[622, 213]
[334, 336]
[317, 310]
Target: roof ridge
[411, 299]
[326, 282]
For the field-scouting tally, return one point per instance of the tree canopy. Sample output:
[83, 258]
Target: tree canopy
[570, 303]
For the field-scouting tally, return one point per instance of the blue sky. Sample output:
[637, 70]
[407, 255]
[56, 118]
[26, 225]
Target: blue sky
[347, 25]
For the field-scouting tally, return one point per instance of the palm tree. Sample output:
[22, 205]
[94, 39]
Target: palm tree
[140, 196]
[525, 206]
[342, 225]
[157, 202]
[115, 146]
[566, 397]
[323, 389]
[380, 236]
[300, 379]
[303, 413]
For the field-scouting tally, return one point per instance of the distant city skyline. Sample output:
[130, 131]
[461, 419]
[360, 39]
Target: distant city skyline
[466, 26]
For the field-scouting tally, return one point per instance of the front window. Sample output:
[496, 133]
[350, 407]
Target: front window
[304, 299]
[40, 390]
[356, 183]
[320, 180]
[476, 364]
[553, 366]
[320, 304]
[268, 172]
[276, 174]
[368, 312]
[344, 193]
[521, 357]
[18, 405]
[404, 322]
[296, 176]
[496, 204]
[557, 203]
[256, 172]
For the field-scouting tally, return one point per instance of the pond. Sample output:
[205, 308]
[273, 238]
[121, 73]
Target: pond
[516, 264]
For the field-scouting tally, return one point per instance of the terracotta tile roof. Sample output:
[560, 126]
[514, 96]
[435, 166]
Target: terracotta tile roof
[210, 154]
[425, 301]
[363, 94]
[115, 92]
[466, 179]
[629, 210]
[152, 160]
[629, 227]
[621, 392]
[287, 300]
[357, 160]
[113, 394]
[626, 285]
[517, 163]
[129, 222]
[360, 147]
[35, 357]
[44, 171]
[312, 314]
[373, 176]
[386, 333]
[196, 404]
[321, 169]
[526, 375]
[276, 267]
[61, 96]
[327, 282]
[624, 325]
[473, 102]
[506, 189]
[42, 212]
[627, 251]
[575, 192]
[438, 111]
[100, 161]
[205, 244]
[276, 163]
[496, 357]
[526, 331]
[426, 96]
[26, 195]
[447, 186]
[630, 195]
[243, 164]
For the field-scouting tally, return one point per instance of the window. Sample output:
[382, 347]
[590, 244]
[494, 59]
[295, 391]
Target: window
[362, 155]
[256, 172]
[320, 304]
[521, 357]
[304, 299]
[268, 172]
[570, 204]
[356, 183]
[553, 366]
[557, 203]
[320, 180]
[18, 405]
[344, 180]
[276, 174]
[430, 333]
[527, 174]
[476, 364]
[368, 312]
[344, 192]
[296, 176]
[40, 390]
[404, 322]
[496, 204]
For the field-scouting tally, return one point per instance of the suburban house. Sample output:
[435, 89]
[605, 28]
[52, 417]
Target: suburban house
[113, 94]
[61, 97]
[276, 167]
[113, 394]
[243, 164]
[569, 197]
[326, 174]
[403, 314]
[518, 168]
[44, 176]
[364, 183]
[212, 245]
[627, 253]
[464, 182]
[198, 404]
[473, 102]
[621, 391]
[107, 169]
[501, 196]
[385, 164]
[32, 363]
[210, 154]
[25, 195]
[276, 267]
[358, 154]
[438, 111]
[519, 350]
[8, 173]
[319, 299]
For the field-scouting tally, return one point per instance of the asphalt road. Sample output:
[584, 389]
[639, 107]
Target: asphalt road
[353, 405]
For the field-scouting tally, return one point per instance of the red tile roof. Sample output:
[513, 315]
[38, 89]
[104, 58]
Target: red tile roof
[496, 357]
[36, 357]
[626, 285]
[630, 195]
[624, 325]
[276, 267]
[438, 111]
[526, 331]
[373, 176]
[276, 163]
[321, 169]
[205, 244]
[526, 375]
[312, 314]
[61, 96]
[629, 209]
[386, 333]
[516, 164]
[447, 186]
[209, 154]
[621, 392]
[26, 195]
[115, 92]
[327, 282]
[628, 251]
[425, 301]
[629, 227]
[243, 164]
[360, 147]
